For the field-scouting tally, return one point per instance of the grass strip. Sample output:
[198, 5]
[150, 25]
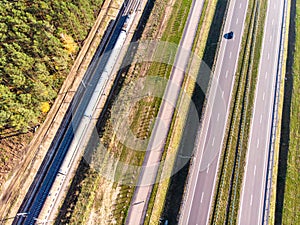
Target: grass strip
[247, 112]
[291, 203]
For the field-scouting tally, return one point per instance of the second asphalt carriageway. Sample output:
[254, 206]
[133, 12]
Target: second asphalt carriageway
[253, 195]
[202, 178]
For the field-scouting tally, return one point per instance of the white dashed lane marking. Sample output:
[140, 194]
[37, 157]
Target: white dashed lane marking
[260, 120]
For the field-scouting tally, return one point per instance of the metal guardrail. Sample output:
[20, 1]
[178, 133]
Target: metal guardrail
[268, 190]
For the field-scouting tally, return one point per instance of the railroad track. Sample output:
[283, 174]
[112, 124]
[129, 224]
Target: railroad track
[43, 181]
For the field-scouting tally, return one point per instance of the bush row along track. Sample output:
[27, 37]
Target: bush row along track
[68, 133]
[15, 189]
[202, 178]
[147, 178]
[255, 193]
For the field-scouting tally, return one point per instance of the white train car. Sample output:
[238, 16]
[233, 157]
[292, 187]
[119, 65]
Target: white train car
[85, 120]
[94, 100]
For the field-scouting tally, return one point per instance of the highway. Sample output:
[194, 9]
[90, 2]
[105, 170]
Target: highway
[155, 148]
[253, 194]
[197, 202]
[48, 171]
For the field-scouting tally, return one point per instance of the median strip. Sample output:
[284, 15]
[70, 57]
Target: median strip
[234, 149]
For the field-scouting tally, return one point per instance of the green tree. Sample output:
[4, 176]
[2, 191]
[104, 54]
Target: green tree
[34, 58]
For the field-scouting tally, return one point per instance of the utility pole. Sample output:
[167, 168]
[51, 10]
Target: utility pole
[23, 214]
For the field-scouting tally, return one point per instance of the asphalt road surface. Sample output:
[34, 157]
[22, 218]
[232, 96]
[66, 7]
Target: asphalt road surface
[139, 203]
[202, 178]
[253, 192]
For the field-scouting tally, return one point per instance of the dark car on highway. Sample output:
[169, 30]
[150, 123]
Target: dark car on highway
[229, 35]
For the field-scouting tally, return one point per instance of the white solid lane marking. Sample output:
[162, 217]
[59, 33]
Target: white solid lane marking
[202, 196]
[257, 145]
[260, 120]
[237, 21]
[251, 199]
[213, 142]
[264, 96]
[226, 75]
[218, 117]
[254, 170]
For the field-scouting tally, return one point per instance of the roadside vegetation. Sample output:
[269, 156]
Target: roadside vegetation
[38, 42]
[234, 150]
[291, 201]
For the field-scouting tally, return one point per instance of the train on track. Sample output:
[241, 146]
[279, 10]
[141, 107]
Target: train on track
[43, 194]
